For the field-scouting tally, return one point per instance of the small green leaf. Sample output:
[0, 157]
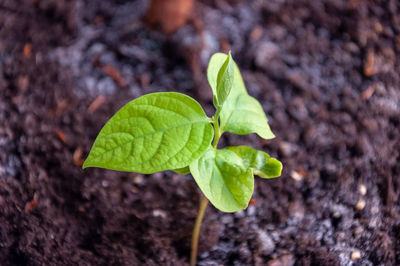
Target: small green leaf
[241, 114]
[263, 165]
[155, 132]
[224, 179]
[225, 80]
[214, 65]
[182, 171]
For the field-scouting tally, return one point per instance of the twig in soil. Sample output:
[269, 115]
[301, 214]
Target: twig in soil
[61, 106]
[61, 135]
[96, 104]
[115, 75]
[32, 204]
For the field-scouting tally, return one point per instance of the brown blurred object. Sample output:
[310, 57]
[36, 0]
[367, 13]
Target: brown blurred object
[367, 93]
[59, 108]
[253, 202]
[22, 83]
[115, 75]
[224, 43]
[27, 52]
[96, 104]
[77, 157]
[256, 33]
[29, 206]
[369, 62]
[61, 135]
[170, 15]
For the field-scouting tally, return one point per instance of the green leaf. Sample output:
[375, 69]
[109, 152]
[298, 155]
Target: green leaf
[241, 114]
[225, 80]
[262, 164]
[214, 65]
[182, 171]
[155, 132]
[224, 179]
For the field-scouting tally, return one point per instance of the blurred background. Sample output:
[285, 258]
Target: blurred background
[326, 72]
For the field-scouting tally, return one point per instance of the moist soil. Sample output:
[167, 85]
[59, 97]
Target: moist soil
[326, 72]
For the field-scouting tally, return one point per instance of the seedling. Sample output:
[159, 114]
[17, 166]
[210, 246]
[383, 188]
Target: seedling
[170, 131]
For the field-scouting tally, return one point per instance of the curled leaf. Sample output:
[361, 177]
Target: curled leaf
[262, 164]
[225, 79]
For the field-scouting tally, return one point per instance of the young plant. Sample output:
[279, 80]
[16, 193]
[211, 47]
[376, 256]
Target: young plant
[170, 131]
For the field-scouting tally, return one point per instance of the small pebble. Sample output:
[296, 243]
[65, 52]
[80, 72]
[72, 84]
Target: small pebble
[227, 219]
[355, 255]
[240, 214]
[296, 210]
[275, 236]
[360, 205]
[159, 213]
[286, 260]
[296, 176]
[244, 251]
[358, 231]
[266, 52]
[251, 210]
[375, 210]
[288, 149]
[363, 189]
[138, 179]
[265, 243]
[373, 223]
[105, 183]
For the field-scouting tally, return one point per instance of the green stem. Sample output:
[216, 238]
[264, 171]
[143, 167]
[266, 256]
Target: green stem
[196, 230]
[204, 200]
[216, 128]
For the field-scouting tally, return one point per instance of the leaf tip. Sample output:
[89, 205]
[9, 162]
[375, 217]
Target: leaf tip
[267, 134]
[278, 168]
[86, 164]
[271, 135]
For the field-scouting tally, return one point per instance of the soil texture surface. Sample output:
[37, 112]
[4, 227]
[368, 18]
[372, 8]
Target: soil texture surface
[326, 72]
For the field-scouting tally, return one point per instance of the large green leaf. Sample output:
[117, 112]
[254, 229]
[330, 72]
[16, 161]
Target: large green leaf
[155, 132]
[261, 163]
[241, 114]
[224, 179]
[225, 80]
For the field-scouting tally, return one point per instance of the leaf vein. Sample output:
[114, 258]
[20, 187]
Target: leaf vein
[148, 134]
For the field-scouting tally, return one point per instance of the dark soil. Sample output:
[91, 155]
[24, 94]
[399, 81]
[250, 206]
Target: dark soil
[328, 76]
